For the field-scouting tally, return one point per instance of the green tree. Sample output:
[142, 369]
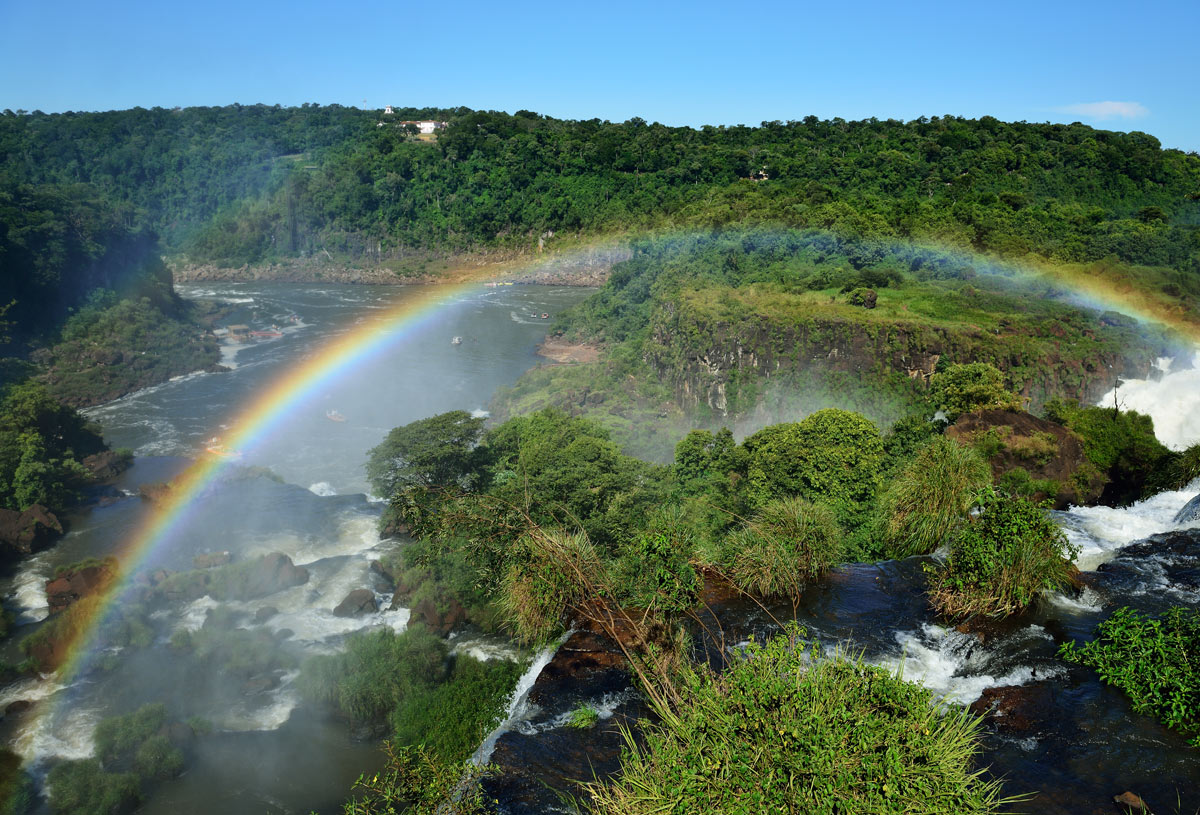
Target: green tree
[833, 455]
[974, 386]
[440, 451]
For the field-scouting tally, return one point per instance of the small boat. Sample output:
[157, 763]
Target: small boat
[334, 416]
[214, 447]
[456, 341]
[545, 316]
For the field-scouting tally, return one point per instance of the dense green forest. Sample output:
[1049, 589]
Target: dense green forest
[243, 184]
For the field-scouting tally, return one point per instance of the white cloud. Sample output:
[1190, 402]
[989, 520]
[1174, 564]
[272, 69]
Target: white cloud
[1107, 110]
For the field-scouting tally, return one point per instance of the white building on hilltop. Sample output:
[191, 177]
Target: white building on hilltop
[426, 127]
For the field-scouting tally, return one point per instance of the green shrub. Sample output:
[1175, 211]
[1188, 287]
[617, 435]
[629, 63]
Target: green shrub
[83, 788]
[1001, 560]
[1122, 445]
[832, 455]
[785, 730]
[583, 717]
[930, 497]
[655, 571]
[17, 790]
[787, 544]
[376, 672]
[158, 758]
[414, 781]
[451, 719]
[1154, 661]
[974, 386]
[118, 737]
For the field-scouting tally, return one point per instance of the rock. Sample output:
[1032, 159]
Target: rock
[271, 573]
[1040, 449]
[69, 587]
[260, 684]
[1131, 802]
[1016, 708]
[1189, 513]
[26, 532]
[265, 613]
[383, 573]
[357, 603]
[284, 634]
[441, 614]
[156, 493]
[19, 706]
[107, 465]
[209, 560]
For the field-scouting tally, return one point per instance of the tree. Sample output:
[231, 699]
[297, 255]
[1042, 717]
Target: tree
[974, 386]
[440, 451]
[833, 455]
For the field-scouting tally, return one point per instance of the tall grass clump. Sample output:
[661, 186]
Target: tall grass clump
[1001, 560]
[548, 576]
[785, 730]
[788, 543]
[930, 496]
[376, 672]
[1156, 662]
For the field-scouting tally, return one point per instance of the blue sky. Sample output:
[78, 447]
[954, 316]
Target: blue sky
[1124, 66]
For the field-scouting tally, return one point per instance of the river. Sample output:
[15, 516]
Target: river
[1075, 740]
[267, 753]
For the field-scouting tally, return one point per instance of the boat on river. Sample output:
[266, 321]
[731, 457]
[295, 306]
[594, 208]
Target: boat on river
[216, 448]
[456, 341]
[334, 416]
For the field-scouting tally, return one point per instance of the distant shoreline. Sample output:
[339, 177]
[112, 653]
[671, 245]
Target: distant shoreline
[589, 268]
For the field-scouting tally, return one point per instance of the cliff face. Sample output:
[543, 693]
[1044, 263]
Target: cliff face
[724, 365]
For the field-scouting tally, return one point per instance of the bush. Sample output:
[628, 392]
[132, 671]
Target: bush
[1121, 444]
[451, 719]
[833, 455]
[416, 782]
[1152, 661]
[1001, 560]
[82, 788]
[771, 734]
[974, 386]
[17, 790]
[930, 497]
[655, 571]
[788, 543]
[583, 717]
[376, 672]
[543, 582]
[118, 737]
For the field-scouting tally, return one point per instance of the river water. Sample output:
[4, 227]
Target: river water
[1075, 741]
[267, 753]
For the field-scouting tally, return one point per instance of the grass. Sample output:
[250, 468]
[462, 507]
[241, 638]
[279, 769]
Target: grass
[787, 544]
[1001, 560]
[583, 717]
[786, 731]
[1156, 662]
[930, 497]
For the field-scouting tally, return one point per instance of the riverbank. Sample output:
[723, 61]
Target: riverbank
[587, 267]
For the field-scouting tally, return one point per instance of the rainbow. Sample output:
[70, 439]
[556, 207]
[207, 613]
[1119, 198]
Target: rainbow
[1089, 285]
[251, 427]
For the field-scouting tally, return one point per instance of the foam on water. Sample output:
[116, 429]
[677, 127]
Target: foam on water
[1172, 400]
[486, 649]
[271, 715]
[28, 594]
[518, 703]
[954, 665]
[323, 488]
[1100, 531]
[65, 733]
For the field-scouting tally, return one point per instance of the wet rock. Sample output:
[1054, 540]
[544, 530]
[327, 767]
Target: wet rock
[1016, 708]
[23, 533]
[270, 574]
[265, 613]
[157, 492]
[260, 684]
[210, 560]
[71, 586]
[1190, 512]
[107, 465]
[357, 603]
[1131, 802]
[441, 614]
[284, 634]
[19, 706]
[380, 572]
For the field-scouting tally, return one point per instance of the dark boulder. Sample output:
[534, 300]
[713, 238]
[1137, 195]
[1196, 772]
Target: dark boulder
[107, 465]
[265, 613]
[1190, 512]
[19, 706]
[357, 603]
[24, 533]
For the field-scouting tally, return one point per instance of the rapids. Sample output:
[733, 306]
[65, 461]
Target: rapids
[267, 752]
